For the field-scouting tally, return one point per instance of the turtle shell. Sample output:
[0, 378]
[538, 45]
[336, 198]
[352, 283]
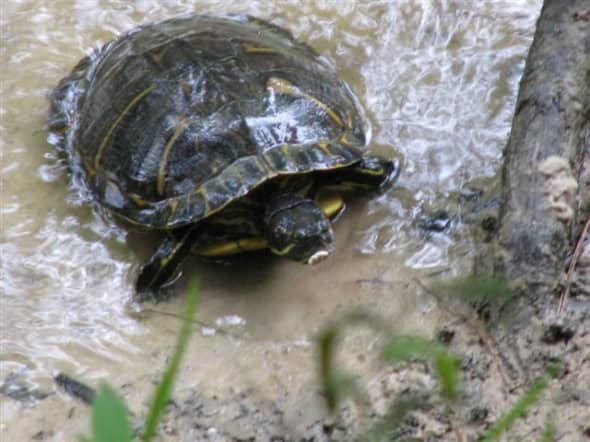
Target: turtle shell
[173, 121]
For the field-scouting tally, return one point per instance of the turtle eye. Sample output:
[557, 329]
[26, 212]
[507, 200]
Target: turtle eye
[281, 229]
[299, 234]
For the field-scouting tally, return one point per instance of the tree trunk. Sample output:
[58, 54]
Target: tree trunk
[545, 177]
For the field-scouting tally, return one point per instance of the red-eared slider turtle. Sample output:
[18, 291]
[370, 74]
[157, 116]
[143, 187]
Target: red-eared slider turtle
[224, 132]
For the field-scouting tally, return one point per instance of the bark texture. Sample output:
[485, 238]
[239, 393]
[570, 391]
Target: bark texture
[546, 161]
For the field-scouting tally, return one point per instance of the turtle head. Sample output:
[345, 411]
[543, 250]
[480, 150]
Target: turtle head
[297, 229]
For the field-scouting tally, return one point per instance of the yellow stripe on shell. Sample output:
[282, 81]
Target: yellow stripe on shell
[201, 191]
[251, 49]
[173, 205]
[283, 86]
[325, 148]
[285, 149]
[137, 200]
[349, 121]
[105, 140]
[179, 129]
[344, 140]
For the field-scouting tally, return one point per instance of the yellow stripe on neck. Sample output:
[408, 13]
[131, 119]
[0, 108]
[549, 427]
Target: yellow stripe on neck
[331, 203]
[231, 248]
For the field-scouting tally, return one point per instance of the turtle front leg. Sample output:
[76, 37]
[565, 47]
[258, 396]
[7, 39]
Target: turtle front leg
[371, 172]
[375, 171]
[163, 264]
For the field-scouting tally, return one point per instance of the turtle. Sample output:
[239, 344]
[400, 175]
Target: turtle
[223, 132]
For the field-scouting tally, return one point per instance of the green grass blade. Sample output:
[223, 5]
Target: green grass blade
[110, 422]
[165, 387]
[529, 398]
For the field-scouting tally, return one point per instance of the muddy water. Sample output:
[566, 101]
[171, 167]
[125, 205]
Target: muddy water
[438, 79]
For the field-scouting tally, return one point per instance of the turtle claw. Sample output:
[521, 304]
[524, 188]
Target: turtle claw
[154, 295]
[149, 275]
[151, 285]
[160, 272]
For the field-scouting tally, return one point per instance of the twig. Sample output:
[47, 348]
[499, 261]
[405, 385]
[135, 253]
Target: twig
[570, 272]
[75, 388]
[175, 315]
[217, 329]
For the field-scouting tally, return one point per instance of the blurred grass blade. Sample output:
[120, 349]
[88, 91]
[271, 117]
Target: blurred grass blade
[476, 287]
[548, 432]
[407, 348]
[447, 369]
[165, 387]
[446, 366]
[335, 384]
[110, 422]
[327, 347]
